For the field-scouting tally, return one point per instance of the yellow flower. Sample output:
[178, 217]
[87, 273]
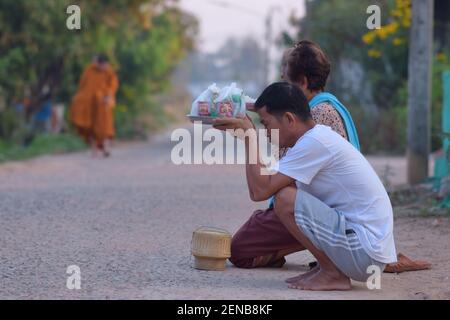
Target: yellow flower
[402, 12]
[406, 18]
[382, 33]
[392, 27]
[403, 3]
[387, 30]
[369, 37]
[441, 57]
[374, 53]
[398, 41]
[396, 13]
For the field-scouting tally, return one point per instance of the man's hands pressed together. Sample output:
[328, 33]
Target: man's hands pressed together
[261, 187]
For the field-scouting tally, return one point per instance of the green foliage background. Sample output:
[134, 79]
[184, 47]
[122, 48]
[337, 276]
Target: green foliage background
[340, 29]
[145, 40]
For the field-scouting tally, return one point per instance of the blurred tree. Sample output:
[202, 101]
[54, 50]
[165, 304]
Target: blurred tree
[371, 66]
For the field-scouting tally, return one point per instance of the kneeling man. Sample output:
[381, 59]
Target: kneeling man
[327, 197]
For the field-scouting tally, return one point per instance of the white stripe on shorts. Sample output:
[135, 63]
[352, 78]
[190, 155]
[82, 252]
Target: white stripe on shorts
[328, 233]
[352, 244]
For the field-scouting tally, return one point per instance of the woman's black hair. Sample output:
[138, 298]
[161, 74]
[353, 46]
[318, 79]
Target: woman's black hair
[308, 60]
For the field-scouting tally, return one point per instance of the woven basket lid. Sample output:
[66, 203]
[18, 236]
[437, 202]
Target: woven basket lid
[211, 242]
[213, 231]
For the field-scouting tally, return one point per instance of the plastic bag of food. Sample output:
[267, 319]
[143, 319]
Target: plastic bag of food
[249, 103]
[204, 104]
[239, 102]
[230, 101]
[224, 102]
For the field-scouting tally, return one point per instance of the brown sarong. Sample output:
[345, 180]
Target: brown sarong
[259, 240]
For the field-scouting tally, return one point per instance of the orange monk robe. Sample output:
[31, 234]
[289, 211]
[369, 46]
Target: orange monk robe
[89, 111]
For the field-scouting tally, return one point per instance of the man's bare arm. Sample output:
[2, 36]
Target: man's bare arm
[261, 187]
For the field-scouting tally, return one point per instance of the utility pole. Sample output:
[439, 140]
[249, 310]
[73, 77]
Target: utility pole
[269, 42]
[419, 89]
[268, 47]
[268, 36]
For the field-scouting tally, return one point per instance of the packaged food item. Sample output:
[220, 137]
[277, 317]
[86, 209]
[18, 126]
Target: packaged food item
[203, 108]
[249, 103]
[225, 108]
[203, 105]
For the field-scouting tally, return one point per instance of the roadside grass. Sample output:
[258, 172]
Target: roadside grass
[41, 145]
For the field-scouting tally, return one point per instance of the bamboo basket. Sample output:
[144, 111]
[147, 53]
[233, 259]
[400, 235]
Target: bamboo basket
[211, 247]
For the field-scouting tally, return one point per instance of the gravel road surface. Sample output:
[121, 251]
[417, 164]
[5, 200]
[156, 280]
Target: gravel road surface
[127, 222]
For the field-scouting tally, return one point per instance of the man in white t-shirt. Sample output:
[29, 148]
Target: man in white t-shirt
[328, 196]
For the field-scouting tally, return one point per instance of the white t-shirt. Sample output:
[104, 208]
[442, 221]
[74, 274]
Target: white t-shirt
[328, 167]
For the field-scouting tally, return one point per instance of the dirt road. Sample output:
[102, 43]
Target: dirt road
[127, 222]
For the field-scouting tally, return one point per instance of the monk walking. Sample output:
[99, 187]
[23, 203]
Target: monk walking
[92, 107]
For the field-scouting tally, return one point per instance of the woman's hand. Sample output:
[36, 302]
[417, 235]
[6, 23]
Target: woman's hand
[250, 106]
[240, 122]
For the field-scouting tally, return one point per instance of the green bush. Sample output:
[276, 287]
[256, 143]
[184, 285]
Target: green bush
[41, 144]
[145, 41]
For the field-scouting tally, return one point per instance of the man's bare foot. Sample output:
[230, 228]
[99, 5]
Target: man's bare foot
[303, 276]
[323, 281]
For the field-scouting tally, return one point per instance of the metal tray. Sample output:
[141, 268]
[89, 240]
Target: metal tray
[203, 119]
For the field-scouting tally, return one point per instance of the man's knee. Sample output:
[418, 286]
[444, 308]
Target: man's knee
[284, 201]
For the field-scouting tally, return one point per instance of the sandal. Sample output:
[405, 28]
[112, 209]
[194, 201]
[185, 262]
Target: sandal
[406, 264]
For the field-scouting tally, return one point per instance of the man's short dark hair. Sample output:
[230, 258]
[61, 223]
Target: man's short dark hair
[308, 60]
[282, 97]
